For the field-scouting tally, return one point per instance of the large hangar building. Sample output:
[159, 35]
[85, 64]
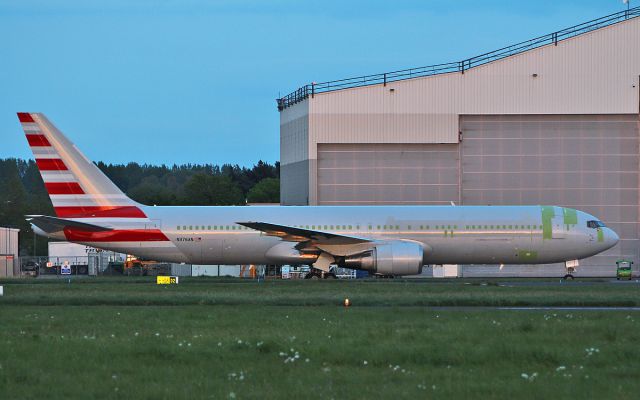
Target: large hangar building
[554, 120]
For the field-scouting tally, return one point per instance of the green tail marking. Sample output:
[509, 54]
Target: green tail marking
[570, 216]
[547, 215]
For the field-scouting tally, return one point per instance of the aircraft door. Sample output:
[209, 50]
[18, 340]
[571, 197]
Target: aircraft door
[191, 246]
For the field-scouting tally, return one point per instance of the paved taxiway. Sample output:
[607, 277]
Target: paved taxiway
[562, 282]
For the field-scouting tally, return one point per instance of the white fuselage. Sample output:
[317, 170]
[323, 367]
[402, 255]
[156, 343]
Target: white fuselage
[450, 234]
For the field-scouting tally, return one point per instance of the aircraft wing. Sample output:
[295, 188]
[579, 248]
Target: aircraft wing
[292, 234]
[53, 224]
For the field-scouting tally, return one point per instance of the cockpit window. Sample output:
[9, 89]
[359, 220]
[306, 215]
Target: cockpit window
[595, 224]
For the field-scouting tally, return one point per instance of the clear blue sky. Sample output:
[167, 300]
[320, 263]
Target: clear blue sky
[195, 81]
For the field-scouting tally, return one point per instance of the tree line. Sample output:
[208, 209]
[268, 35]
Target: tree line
[22, 191]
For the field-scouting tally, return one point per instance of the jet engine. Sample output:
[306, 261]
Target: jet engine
[398, 257]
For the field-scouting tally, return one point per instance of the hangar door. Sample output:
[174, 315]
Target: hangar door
[352, 174]
[588, 162]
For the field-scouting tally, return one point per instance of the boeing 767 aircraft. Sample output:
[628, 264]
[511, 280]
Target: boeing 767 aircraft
[388, 240]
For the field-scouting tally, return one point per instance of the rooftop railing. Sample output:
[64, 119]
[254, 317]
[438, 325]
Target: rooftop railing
[460, 66]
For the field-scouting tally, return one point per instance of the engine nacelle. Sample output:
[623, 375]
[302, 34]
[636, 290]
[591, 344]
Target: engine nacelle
[398, 257]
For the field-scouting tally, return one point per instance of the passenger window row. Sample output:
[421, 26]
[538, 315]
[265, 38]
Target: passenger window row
[378, 227]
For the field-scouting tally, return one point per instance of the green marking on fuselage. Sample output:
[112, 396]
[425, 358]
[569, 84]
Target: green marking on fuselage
[570, 216]
[547, 215]
[600, 235]
[527, 255]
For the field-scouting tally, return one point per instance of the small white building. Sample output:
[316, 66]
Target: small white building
[446, 271]
[78, 254]
[215, 270]
[9, 265]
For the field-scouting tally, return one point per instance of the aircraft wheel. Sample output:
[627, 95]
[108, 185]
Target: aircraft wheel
[311, 275]
[330, 276]
[568, 277]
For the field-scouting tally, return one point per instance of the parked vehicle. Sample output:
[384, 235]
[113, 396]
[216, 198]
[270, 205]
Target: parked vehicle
[623, 269]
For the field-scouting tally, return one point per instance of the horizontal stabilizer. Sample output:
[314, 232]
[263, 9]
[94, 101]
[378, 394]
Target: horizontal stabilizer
[293, 234]
[53, 224]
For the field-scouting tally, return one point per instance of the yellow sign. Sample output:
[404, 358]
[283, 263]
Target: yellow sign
[167, 280]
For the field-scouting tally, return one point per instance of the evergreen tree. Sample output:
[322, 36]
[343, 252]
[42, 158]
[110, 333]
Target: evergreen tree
[215, 190]
[265, 191]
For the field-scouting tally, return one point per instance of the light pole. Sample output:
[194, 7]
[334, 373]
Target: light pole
[6, 246]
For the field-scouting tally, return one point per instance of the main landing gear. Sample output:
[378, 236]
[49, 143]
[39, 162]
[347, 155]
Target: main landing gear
[315, 273]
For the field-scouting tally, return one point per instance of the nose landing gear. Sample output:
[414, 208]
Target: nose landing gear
[570, 267]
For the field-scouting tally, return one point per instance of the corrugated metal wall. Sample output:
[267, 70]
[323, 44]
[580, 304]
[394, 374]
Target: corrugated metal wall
[9, 241]
[294, 155]
[594, 73]
[387, 174]
[587, 162]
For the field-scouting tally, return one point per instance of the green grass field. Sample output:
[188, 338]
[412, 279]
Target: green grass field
[209, 338]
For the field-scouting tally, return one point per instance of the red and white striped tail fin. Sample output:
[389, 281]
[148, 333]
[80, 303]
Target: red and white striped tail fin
[77, 188]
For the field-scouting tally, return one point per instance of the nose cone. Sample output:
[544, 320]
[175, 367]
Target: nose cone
[609, 238]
